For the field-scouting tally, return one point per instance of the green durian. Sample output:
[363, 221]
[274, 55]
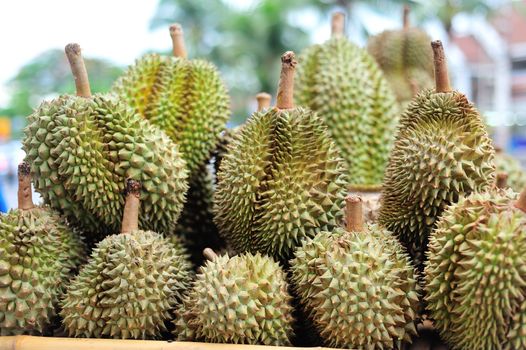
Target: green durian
[516, 175]
[239, 299]
[475, 274]
[263, 102]
[406, 59]
[282, 179]
[82, 148]
[185, 98]
[129, 285]
[343, 84]
[358, 286]
[442, 151]
[196, 224]
[38, 255]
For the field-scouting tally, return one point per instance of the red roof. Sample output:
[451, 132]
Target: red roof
[472, 49]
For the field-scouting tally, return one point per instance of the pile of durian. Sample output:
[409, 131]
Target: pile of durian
[367, 204]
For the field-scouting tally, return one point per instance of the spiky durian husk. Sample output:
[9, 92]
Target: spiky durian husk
[240, 299]
[196, 224]
[343, 84]
[406, 58]
[512, 167]
[127, 288]
[38, 254]
[442, 151]
[475, 275]
[185, 98]
[81, 150]
[222, 146]
[359, 289]
[282, 180]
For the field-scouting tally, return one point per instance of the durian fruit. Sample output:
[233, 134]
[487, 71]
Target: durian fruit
[263, 102]
[82, 148]
[512, 167]
[343, 84]
[442, 152]
[406, 59]
[475, 274]
[38, 255]
[130, 284]
[240, 299]
[357, 286]
[196, 225]
[282, 179]
[185, 98]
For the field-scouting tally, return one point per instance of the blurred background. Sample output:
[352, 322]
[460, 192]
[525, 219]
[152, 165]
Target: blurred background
[485, 41]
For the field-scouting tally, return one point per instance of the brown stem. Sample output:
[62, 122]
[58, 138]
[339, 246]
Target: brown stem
[502, 180]
[286, 81]
[405, 17]
[209, 254]
[337, 24]
[439, 60]
[521, 202]
[354, 213]
[130, 217]
[263, 100]
[78, 69]
[178, 46]
[25, 200]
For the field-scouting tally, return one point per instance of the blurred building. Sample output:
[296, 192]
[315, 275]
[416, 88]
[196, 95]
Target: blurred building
[494, 55]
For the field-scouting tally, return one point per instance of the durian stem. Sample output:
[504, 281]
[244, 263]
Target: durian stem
[337, 24]
[25, 200]
[178, 46]
[405, 17]
[354, 213]
[439, 60]
[263, 100]
[502, 180]
[521, 202]
[209, 254]
[78, 69]
[285, 98]
[130, 217]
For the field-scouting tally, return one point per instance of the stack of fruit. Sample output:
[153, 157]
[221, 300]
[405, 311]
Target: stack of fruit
[141, 237]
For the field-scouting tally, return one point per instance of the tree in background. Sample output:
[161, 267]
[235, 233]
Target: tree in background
[49, 75]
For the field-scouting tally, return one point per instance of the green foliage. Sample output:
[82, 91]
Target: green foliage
[49, 74]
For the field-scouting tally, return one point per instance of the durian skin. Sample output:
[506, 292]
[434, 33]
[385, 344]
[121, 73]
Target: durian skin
[128, 287]
[81, 150]
[343, 84]
[406, 59]
[512, 167]
[196, 225]
[442, 151]
[475, 275]
[185, 98]
[282, 180]
[359, 289]
[241, 299]
[38, 255]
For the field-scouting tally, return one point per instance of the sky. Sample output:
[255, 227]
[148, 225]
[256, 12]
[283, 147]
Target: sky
[117, 30]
